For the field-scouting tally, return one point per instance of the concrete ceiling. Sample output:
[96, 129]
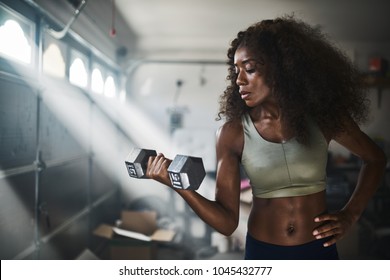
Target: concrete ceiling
[199, 26]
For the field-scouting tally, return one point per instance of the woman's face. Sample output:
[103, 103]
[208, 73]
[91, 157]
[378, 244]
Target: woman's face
[250, 78]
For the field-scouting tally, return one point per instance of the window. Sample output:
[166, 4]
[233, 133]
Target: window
[16, 35]
[97, 82]
[103, 82]
[78, 74]
[53, 61]
[109, 87]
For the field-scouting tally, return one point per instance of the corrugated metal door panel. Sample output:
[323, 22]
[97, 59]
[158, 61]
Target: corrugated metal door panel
[107, 211]
[16, 214]
[64, 192]
[18, 124]
[68, 243]
[101, 182]
[64, 126]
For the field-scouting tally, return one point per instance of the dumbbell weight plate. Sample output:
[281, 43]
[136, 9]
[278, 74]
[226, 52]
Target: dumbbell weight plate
[186, 172]
[137, 161]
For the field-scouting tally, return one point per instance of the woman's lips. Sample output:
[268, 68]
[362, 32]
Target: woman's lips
[244, 94]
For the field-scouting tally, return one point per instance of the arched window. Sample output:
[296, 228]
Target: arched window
[78, 73]
[97, 82]
[14, 43]
[109, 87]
[53, 61]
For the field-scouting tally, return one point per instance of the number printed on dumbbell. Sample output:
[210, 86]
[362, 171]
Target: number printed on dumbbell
[176, 180]
[131, 170]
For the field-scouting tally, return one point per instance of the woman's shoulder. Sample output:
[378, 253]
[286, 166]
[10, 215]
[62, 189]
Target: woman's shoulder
[231, 126]
[230, 136]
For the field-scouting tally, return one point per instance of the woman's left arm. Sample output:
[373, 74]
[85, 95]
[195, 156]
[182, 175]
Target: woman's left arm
[370, 175]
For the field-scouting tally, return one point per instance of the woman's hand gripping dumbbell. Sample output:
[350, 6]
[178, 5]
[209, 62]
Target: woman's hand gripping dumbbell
[184, 172]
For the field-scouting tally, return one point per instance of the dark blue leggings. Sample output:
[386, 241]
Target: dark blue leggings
[314, 250]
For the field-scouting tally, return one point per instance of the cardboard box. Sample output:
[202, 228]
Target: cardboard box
[136, 236]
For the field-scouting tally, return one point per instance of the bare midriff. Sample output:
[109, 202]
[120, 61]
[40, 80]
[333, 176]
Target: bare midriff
[286, 221]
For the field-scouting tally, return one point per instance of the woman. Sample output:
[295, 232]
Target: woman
[291, 92]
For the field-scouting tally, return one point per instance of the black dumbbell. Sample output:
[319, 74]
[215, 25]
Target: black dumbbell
[137, 162]
[185, 172]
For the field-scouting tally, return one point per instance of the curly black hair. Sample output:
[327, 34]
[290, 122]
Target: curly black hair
[309, 76]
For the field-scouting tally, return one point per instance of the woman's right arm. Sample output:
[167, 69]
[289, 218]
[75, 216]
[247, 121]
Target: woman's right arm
[222, 213]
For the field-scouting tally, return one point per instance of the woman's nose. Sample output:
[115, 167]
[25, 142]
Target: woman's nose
[241, 80]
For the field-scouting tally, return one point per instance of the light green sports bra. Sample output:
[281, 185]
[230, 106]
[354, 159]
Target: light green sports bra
[284, 169]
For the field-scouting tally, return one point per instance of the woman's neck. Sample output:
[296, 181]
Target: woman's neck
[266, 111]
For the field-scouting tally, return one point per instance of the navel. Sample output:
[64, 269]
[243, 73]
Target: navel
[290, 229]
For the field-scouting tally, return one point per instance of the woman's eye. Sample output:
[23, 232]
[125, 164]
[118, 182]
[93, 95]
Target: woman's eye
[251, 70]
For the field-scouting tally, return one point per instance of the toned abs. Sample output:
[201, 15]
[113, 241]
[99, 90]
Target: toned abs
[286, 221]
